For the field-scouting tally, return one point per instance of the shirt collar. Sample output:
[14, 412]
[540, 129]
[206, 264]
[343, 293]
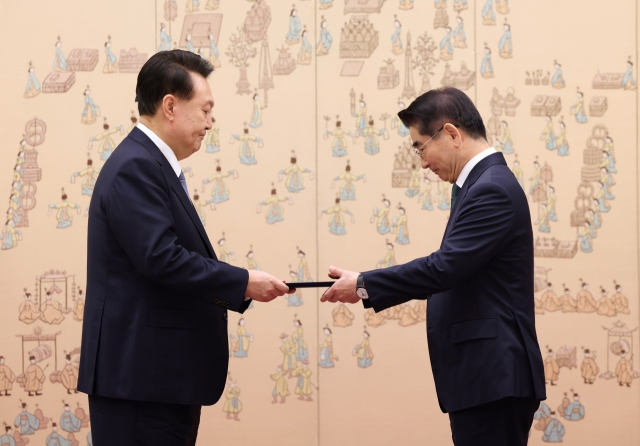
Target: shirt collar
[466, 170]
[164, 148]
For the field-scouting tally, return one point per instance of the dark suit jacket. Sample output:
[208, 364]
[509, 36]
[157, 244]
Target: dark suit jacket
[479, 286]
[155, 319]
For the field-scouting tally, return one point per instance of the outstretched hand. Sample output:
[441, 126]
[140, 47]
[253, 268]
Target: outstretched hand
[344, 289]
[264, 287]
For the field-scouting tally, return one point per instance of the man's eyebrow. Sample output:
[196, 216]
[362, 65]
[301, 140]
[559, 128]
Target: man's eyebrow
[415, 144]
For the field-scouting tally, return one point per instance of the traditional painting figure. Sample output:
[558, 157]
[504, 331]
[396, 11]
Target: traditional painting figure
[281, 387]
[241, 349]
[551, 368]
[444, 200]
[547, 134]
[505, 45]
[212, 140]
[389, 259]
[611, 155]
[59, 62]
[569, 304]
[543, 219]
[295, 298]
[190, 46]
[326, 4]
[51, 310]
[620, 301]
[578, 108]
[302, 352]
[371, 143]
[488, 16]
[78, 307]
[225, 254]
[336, 219]
[342, 316]
[585, 301]
[68, 421]
[29, 312]
[327, 357]
[361, 117]
[425, 195]
[246, 153]
[554, 431]
[348, 189]
[324, 44]
[396, 122]
[502, 6]
[551, 203]
[575, 410]
[304, 274]
[401, 226]
[90, 110]
[446, 46]
[69, 378]
[288, 349]
[303, 384]
[275, 211]
[214, 53]
[256, 114]
[557, 81]
[607, 180]
[363, 352]
[339, 143]
[106, 145]
[7, 438]
[486, 66]
[233, 406]
[7, 378]
[304, 55]
[63, 214]
[200, 204]
[381, 217]
[34, 377]
[25, 422]
[251, 261]
[413, 188]
[624, 370]
[628, 81]
[212, 5]
[374, 319]
[589, 369]
[110, 65]
[408, 315]
[550, 299]
[605, 306]
[293, 175]
[33, 84]
[165, 39]
[459, 37]
[396, 38]
[405, 4]
[459, 5]
[220, 192]
[543, 415]
[505, 144]
[55, 439]
[293, 36]
[89, 176]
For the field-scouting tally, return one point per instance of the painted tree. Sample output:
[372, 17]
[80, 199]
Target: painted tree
[425, 60]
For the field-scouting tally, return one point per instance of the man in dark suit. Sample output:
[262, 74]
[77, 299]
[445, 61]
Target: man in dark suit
[484, 352]
[154, 340]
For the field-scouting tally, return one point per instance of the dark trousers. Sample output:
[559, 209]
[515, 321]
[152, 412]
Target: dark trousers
[505, 422]
[139, 423]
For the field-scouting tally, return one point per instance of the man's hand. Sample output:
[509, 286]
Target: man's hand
[344, 290]
[264, 287]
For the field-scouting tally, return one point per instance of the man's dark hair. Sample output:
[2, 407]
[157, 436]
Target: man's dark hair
[435, 108]
[168, 72]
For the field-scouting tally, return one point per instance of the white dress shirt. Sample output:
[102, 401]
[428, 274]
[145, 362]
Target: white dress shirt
[466, 170]
[164, 148]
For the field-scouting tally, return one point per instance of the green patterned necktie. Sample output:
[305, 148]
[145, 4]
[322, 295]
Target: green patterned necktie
[454, 194]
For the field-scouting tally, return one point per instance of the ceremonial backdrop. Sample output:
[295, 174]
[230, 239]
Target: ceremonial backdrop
[307, 166]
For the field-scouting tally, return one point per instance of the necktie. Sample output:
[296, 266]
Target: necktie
[184, 184]
[454, 194]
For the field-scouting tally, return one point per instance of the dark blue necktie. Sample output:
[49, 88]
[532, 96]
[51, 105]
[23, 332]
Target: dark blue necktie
[184, 184]
[454, 194]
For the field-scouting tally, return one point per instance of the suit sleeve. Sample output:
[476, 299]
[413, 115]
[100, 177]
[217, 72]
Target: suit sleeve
[138, 213]
[481, 229]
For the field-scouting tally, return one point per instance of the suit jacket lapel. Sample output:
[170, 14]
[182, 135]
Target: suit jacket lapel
[484, 164]
[174, 182]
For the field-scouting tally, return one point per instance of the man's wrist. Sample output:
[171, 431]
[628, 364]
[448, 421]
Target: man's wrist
[360, 289]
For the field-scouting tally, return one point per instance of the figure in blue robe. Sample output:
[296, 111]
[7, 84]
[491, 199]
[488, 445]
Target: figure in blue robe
[165, 40]
[446, 43]
[69, 422]
[543, 411]
[302, 353]
[293, 36]
[27, 423]
[557, 80]
[459, 31]
[325, 41]
[7, 439]
[486, 67]
[55, 439]
[89, 439]
[585, 239]
[110, 56]
[88, 103]
[506, 42]
[554, 432]
[59, 62]
[628, 81]
[294, 300]
[32, 83]
[487, 11]
[325, 358]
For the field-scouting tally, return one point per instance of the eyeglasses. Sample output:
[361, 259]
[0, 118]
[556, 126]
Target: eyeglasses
[419, 150]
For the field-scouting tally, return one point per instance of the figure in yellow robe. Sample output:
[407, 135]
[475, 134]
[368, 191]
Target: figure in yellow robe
[589, 369]
[569, 304]
[51, 310]
[342, 316]
[389, 259]
[302, 352]
[339, 143]
[408, 315]
[336, 220]
[326, 350]
[363, 352]
[34, 377]
[78, 307]
[212, 140]
[233, 405]
[518, 173]
[605, 306]
[29, 312]
[374, 319]
[586, 302]
[241, 349]
[89, 175]
[624, 370]
[69, 377]
[106, 145]
[6, 378]
[620, 301]
[303, 385]
[293, 174]
[63, 214]
[288, 349]
[281, 389]
[274, 210]
[551, 299]
[401, 224]
[551, 369]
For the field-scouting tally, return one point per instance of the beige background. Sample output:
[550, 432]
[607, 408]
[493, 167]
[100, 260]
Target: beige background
[393, 401]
